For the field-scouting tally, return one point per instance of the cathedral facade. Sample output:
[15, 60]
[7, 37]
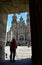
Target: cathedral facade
[20, 31]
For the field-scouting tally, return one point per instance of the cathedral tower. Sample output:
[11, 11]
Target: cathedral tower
[14, 19]
[28, 19]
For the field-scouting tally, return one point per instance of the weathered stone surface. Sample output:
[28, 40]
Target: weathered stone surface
[3, 23]
[9, 6]
[14, 6]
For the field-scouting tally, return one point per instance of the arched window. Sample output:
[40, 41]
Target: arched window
[21, 38]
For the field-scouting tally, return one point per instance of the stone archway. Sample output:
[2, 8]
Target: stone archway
[7, 7]
[3, 24]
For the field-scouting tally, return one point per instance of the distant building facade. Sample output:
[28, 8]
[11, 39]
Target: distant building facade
[20, 31]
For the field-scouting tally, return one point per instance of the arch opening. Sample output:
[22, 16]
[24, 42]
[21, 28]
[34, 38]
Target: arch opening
[21, 31]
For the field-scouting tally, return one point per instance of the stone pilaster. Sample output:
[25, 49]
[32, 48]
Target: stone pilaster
[3, 24]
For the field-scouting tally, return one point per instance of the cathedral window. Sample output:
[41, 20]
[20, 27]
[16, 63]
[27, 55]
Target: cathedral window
[17, 37]
[25, 38]
[21, 38]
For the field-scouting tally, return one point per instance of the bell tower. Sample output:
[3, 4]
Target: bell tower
[28, 19]
[14, 19]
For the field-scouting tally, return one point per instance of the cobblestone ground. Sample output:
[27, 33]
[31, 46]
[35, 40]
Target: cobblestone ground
[22, 52]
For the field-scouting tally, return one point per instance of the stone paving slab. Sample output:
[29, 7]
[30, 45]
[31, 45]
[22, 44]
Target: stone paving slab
[22, 52]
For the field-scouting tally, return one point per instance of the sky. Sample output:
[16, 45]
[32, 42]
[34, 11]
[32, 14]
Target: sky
[18, 17]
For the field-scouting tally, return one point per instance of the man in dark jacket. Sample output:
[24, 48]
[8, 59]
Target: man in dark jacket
[13, 46]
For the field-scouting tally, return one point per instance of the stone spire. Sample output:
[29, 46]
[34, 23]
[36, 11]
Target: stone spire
[21, 20]
[14, 19]
[28, 18]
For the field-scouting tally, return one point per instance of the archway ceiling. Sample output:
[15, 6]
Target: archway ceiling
[14, 6]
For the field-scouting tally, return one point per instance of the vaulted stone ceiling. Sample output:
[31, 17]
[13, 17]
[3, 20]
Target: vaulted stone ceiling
[14, 6]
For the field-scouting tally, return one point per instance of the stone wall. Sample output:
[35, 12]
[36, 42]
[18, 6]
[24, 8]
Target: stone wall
[3, 23]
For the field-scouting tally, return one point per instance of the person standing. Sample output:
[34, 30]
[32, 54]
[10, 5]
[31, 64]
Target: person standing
[13, 46]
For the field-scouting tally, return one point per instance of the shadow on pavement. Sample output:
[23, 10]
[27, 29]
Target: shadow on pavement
[27, 61]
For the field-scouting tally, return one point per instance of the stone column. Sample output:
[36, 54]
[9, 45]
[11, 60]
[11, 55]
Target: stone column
[3, 23]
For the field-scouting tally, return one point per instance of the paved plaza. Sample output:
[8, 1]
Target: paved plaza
[22, 52]
[23, 56]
